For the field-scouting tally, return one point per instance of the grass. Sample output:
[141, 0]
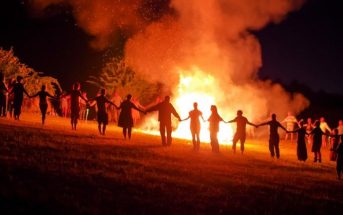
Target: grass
[54, 170]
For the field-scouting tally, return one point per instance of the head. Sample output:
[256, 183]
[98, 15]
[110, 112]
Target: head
[129, 97]
[273, 116]
[322, 119]
[289, 113]
[239, 113]
[167, 99]
[76, 86]
[102, 92]
[214, 109]
[195, 105]
[340, 122]
[317, 124]
[309, 120]
[19, 78]
[43, 87]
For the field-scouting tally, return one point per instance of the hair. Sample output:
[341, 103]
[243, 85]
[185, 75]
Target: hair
[43, 87]
[214, 109]
[129, 96]
[273, 116]
[102, 91]
[19, 78]
[167, 98]
[195, 105]
[239, 113]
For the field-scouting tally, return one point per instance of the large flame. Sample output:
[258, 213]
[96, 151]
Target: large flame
[196, 86]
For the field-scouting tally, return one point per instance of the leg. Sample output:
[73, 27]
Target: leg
[277, 150]
[234, 142]
[194, 140]
[103, 129]
[169, 134]
[129, 129]
[319, 156]
[124, 132]
[163, 133]
[197, 141]
[271, 148]
[242, 143]
[99, 127]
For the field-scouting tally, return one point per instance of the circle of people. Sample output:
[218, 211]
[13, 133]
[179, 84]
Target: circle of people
[313, 132]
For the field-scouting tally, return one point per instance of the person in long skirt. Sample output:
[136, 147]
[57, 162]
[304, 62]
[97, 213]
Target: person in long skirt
[43, 104]
[317, 142]
[339, 161]
[195, 125]
[214, 121]
[301, 144]
[125, 117]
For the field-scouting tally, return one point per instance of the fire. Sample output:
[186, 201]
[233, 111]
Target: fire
[196, 86]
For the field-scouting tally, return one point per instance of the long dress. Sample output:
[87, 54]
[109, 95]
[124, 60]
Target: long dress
[301, 147]
[125, 116]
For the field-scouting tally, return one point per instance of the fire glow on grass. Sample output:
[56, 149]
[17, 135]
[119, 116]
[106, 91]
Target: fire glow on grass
[203, 89]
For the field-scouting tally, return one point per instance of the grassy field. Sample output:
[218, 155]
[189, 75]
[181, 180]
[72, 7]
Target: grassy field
[54, 170]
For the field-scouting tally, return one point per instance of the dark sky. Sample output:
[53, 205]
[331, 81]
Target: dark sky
[306, 47]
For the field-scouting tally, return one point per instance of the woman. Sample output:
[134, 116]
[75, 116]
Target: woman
[125, 117]
[317, 142]
[214, 121]
[301, 145]
[43, 104]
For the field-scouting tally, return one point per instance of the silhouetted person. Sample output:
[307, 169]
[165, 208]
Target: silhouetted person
[195, 125]
[301, 144]
[290, 121]
[274, 138]
[165, 110]
[339, 164]
[102, 115]
[75, 96]
[18, 91]
[334, 141]
[43, 104]
[125, 117]
[317, 142]
[214, 121]
[240, 134]
[3, 91]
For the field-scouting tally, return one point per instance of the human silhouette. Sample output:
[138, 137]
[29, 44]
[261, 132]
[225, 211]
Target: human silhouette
[274, 138]
[290, 121]
[3, 91]
[339, 161]
[18, 91]
[309, 127]
[43, 104]
[240, 134]
[301, 144]
[325, 129]
[75, 96]
[165, 110]
[214, 121]
[102, 115]
[334, 141]
[317, 142]
[195, 125]
[125, 117]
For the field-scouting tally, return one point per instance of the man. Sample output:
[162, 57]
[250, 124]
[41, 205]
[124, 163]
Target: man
[165, 109]
[274, 138]
[290, 121]
[325, 129]
[18, 91]
[240, 134]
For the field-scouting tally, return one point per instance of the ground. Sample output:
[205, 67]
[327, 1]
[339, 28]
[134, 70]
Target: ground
[54, 170]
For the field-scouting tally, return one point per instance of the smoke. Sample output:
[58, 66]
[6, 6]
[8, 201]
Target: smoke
[213, 36]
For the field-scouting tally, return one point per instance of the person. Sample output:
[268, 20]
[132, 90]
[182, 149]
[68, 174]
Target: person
[339, 160]
[165, 110]
[75, 96]
[309, 127]
[214, 121]
[3, 91]
[240, 134]
[325, 129]
[10, 97]
[301, 144]
[102, 115]
[84, 108]
[43, 104]
[334, 141]
[117, 100]
[317, 142]
[125, 117]
[274, 138]
[195, 125]
[290, 121]
[18, 96]
[64, 105]
[340, 127]
[135, 113]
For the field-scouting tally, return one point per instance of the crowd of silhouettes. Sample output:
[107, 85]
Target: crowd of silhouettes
[315, 134]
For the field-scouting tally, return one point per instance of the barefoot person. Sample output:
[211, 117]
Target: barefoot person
[214, 121]
[301, 144]
[18, 91]
[75, 96]
[165, 110]
[195, 125]
[125, 117]
[43, 104]
[274, 138]
[102, 115]
[240, 134]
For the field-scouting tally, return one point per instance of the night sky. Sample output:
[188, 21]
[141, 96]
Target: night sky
[306, 47]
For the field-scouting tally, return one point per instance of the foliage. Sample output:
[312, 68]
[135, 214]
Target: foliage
[117, 76]
[11, 67]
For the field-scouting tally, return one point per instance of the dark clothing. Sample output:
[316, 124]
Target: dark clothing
[339, 160]
[43, 108]
[125, 116]
[3, 90]
[301, 144]
[42, 97]
[165, 110]
[102, 115]
[274, 138]
[75, 104]
[18, 92]
[238, 137]
[240, 134]
[334, 141]
[214, 120]
[317, 139]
